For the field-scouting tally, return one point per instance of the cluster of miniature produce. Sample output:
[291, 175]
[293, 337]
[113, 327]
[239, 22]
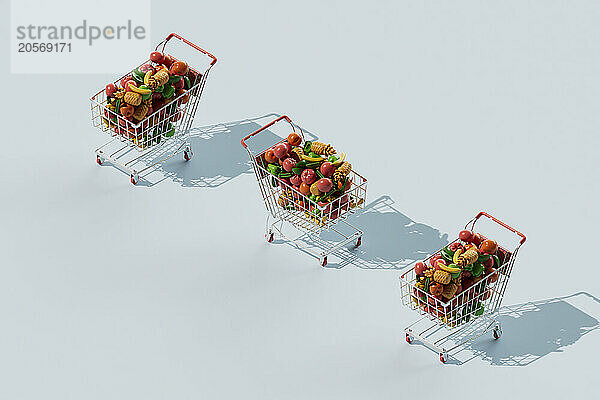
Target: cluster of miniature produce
[312, 173]
[468, 267]
[149, 97]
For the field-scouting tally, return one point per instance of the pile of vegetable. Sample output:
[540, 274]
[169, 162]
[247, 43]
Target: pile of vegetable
[144, 104]
[460, 273]
[312, 173]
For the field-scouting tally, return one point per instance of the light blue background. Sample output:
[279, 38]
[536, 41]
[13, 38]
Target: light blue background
[170, 291]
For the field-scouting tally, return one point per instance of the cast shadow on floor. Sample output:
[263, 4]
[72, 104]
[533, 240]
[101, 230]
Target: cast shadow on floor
[391, 240]
[218, 155]
[535, 329]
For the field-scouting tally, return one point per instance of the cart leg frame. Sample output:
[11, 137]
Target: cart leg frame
[276, 227]
[116, 158]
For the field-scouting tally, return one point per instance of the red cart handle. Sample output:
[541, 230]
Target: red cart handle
[510, 228]
[263, 128]
[172, 35]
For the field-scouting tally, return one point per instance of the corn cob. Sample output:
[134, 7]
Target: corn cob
[298, 151]
[161, 76]
[322, 148]
[135, 99]
[119, 94]
[341, 172]
[442, 277]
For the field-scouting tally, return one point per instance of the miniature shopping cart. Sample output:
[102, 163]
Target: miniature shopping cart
[287, 205]
[445, 326]
[135, 148]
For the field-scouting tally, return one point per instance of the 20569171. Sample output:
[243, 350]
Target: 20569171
[44, 47]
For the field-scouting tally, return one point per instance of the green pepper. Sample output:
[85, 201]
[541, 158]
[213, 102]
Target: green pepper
[297, 171]
[447, 254]
[426, 285]
[159, 89]
[187, 83]
[479, 310]
[117, 105]
[301, 164]
[168, 91]
[313, 164]
[284, 174]
[455, 274]
[477, 269]
[307, 146]
[174, 79]
[313, 155]
[332, 158]
[137, 75]
[274, 169]
[483, 258]
[496, 261]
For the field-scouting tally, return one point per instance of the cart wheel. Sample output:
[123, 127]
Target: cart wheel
[269, 237]
[443, 358]
[134, 178]
[99, 160]
[408, 339]
[497, 332]
[323, 261]
[187, 154]
[358, 242]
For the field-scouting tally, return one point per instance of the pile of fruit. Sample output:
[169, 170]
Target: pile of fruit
[460, 273]
[160, 85]
[311, 173]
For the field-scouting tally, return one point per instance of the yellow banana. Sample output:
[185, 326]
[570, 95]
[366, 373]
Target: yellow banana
[313, 159]
[139, 90]
[456, 255]
[448, 268]
[147, 76]
[340, 160]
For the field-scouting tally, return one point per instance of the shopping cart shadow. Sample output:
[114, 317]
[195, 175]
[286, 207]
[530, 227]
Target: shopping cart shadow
[533, 330]
[218, 156]
[391, 239]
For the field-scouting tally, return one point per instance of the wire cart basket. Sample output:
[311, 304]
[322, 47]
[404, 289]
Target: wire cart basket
[287, 205]
[160, 135]
[445, 326]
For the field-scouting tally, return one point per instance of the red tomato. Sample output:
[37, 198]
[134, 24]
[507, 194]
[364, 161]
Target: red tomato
[420, 268]
[167, 60]
[465, 236]
[179, 68]
[488, 246]
[476, 239]
[294, 139]
[270, 156]
[304, 189]
[111, 88]
[308, 176]
[288, 164]
[281, 150]
[124, 80]
[325, 185]
[295, 180]
[327, 169]
[185, 98]
[157, 57]
[492, 273]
